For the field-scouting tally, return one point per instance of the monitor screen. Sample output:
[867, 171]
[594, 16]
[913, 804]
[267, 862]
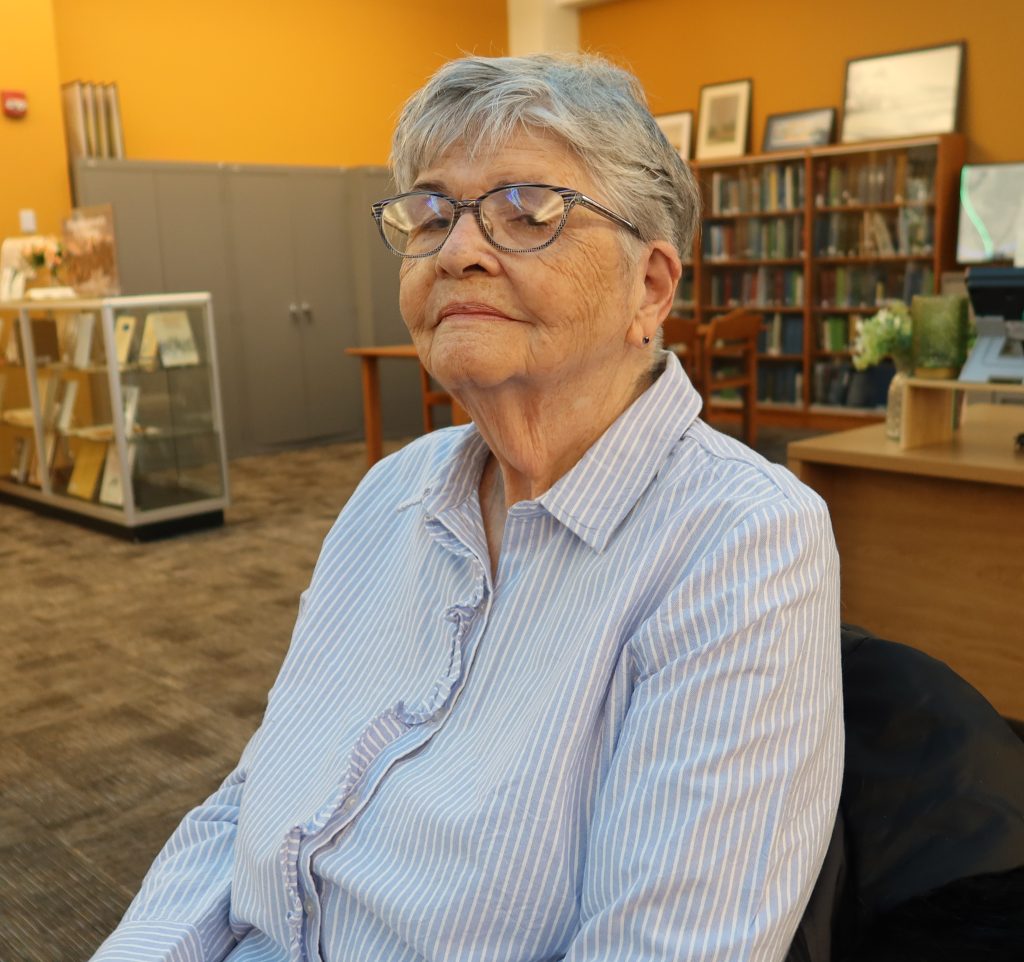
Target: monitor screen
[991, 212]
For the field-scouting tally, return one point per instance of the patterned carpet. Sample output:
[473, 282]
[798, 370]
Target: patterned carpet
[131, 676]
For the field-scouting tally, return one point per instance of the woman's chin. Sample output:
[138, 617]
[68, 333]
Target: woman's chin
[469, 364]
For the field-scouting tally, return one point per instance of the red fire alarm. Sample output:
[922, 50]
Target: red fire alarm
[15, 103]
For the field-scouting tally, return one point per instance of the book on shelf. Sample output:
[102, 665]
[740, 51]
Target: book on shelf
[780, 383]
[81, 349]
[838, 384]
[171, 339]
[836, 331]
[22, 457]
[66, 410]
[88, 465]
[124, 334]
[112, 487]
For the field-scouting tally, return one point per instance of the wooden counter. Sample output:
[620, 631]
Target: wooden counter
[931, 541]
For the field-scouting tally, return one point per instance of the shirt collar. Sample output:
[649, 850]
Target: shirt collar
[596, 494]
[594, 497]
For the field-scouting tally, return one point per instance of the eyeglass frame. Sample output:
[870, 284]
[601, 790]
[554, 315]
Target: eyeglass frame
[570, 198]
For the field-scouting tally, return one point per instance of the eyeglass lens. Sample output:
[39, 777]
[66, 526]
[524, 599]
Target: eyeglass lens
[518, 218]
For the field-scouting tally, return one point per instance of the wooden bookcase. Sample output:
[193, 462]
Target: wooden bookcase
[814, 239]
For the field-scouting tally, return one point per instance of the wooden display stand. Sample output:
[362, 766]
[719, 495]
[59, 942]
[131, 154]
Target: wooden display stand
[931, 408]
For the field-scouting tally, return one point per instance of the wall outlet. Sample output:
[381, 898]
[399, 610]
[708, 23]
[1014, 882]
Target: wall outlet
[27, 220]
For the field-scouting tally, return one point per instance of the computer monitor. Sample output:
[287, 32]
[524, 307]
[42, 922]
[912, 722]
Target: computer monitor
[997, 296]
[991, 212]
[997, 292]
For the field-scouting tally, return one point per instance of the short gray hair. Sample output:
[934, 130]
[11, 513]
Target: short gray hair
[596, 108]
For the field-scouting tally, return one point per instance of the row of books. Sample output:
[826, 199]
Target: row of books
[897, 177]
[777, 238]
[90, 471]
[780, 383]
[838, 383]
[870, 286]
[92, 120]
[873, 233]
[758, 287]
[164, 339]
[765, 188]
[782, 334]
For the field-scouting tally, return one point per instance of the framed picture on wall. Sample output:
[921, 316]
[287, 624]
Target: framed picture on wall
[903, 94]
[802, 128]
[678, 130]
[723, 122]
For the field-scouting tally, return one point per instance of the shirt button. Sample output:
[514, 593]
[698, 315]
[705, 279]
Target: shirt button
[310, 906]
[350, 803]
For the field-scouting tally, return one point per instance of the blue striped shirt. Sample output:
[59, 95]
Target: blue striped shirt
[625, 746]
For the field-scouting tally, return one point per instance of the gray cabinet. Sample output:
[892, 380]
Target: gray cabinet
[297, 274]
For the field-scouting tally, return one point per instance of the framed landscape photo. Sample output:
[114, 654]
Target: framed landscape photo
[903, 94]
[802, 128]
[678, 130]
[723, 121]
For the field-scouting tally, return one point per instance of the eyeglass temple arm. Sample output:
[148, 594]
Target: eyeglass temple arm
[593, 205]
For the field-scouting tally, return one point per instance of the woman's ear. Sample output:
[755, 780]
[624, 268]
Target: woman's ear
[662, 270]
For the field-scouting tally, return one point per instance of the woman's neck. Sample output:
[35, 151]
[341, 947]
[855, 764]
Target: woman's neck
[537, 437]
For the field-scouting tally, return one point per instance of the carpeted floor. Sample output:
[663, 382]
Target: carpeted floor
[131, 676]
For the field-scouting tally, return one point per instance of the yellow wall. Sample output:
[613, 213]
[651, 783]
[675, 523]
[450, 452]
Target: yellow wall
[796, 51]
[261, 81]
[33, 170]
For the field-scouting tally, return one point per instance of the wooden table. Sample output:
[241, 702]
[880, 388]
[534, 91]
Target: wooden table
[931, 541]
[368, 357]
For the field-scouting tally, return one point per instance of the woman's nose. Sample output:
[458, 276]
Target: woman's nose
[466, 248]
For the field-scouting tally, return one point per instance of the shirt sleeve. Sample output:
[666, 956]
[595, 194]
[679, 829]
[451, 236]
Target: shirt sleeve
[181, 913]
[723, 787]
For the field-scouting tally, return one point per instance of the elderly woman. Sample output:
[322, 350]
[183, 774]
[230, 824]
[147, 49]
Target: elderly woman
[565, 683]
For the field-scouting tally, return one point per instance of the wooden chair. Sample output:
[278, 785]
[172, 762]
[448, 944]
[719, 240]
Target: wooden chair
[724, 357]
[434, 397]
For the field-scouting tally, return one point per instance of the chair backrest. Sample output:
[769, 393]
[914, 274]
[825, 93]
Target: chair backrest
[927, 860]
[682, 335]
[737, 326]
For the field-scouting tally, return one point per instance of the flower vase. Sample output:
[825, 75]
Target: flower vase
[894, 404]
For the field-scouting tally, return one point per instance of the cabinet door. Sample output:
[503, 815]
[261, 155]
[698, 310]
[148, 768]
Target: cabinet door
[194, 250]
[323, 268]
[259, 215]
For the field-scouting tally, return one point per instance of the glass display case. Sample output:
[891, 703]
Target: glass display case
[110, 410]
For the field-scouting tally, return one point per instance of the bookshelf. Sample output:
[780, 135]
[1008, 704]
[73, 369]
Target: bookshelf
[814, 240]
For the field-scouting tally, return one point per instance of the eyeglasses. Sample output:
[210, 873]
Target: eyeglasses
[516, 218]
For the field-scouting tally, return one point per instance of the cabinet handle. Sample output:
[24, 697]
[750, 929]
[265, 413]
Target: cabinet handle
[307, 311]
[293, 312]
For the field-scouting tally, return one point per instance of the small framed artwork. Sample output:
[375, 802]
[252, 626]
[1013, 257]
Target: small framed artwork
[724, 119]
[678, 130]
[803, 128]
[903, 94]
